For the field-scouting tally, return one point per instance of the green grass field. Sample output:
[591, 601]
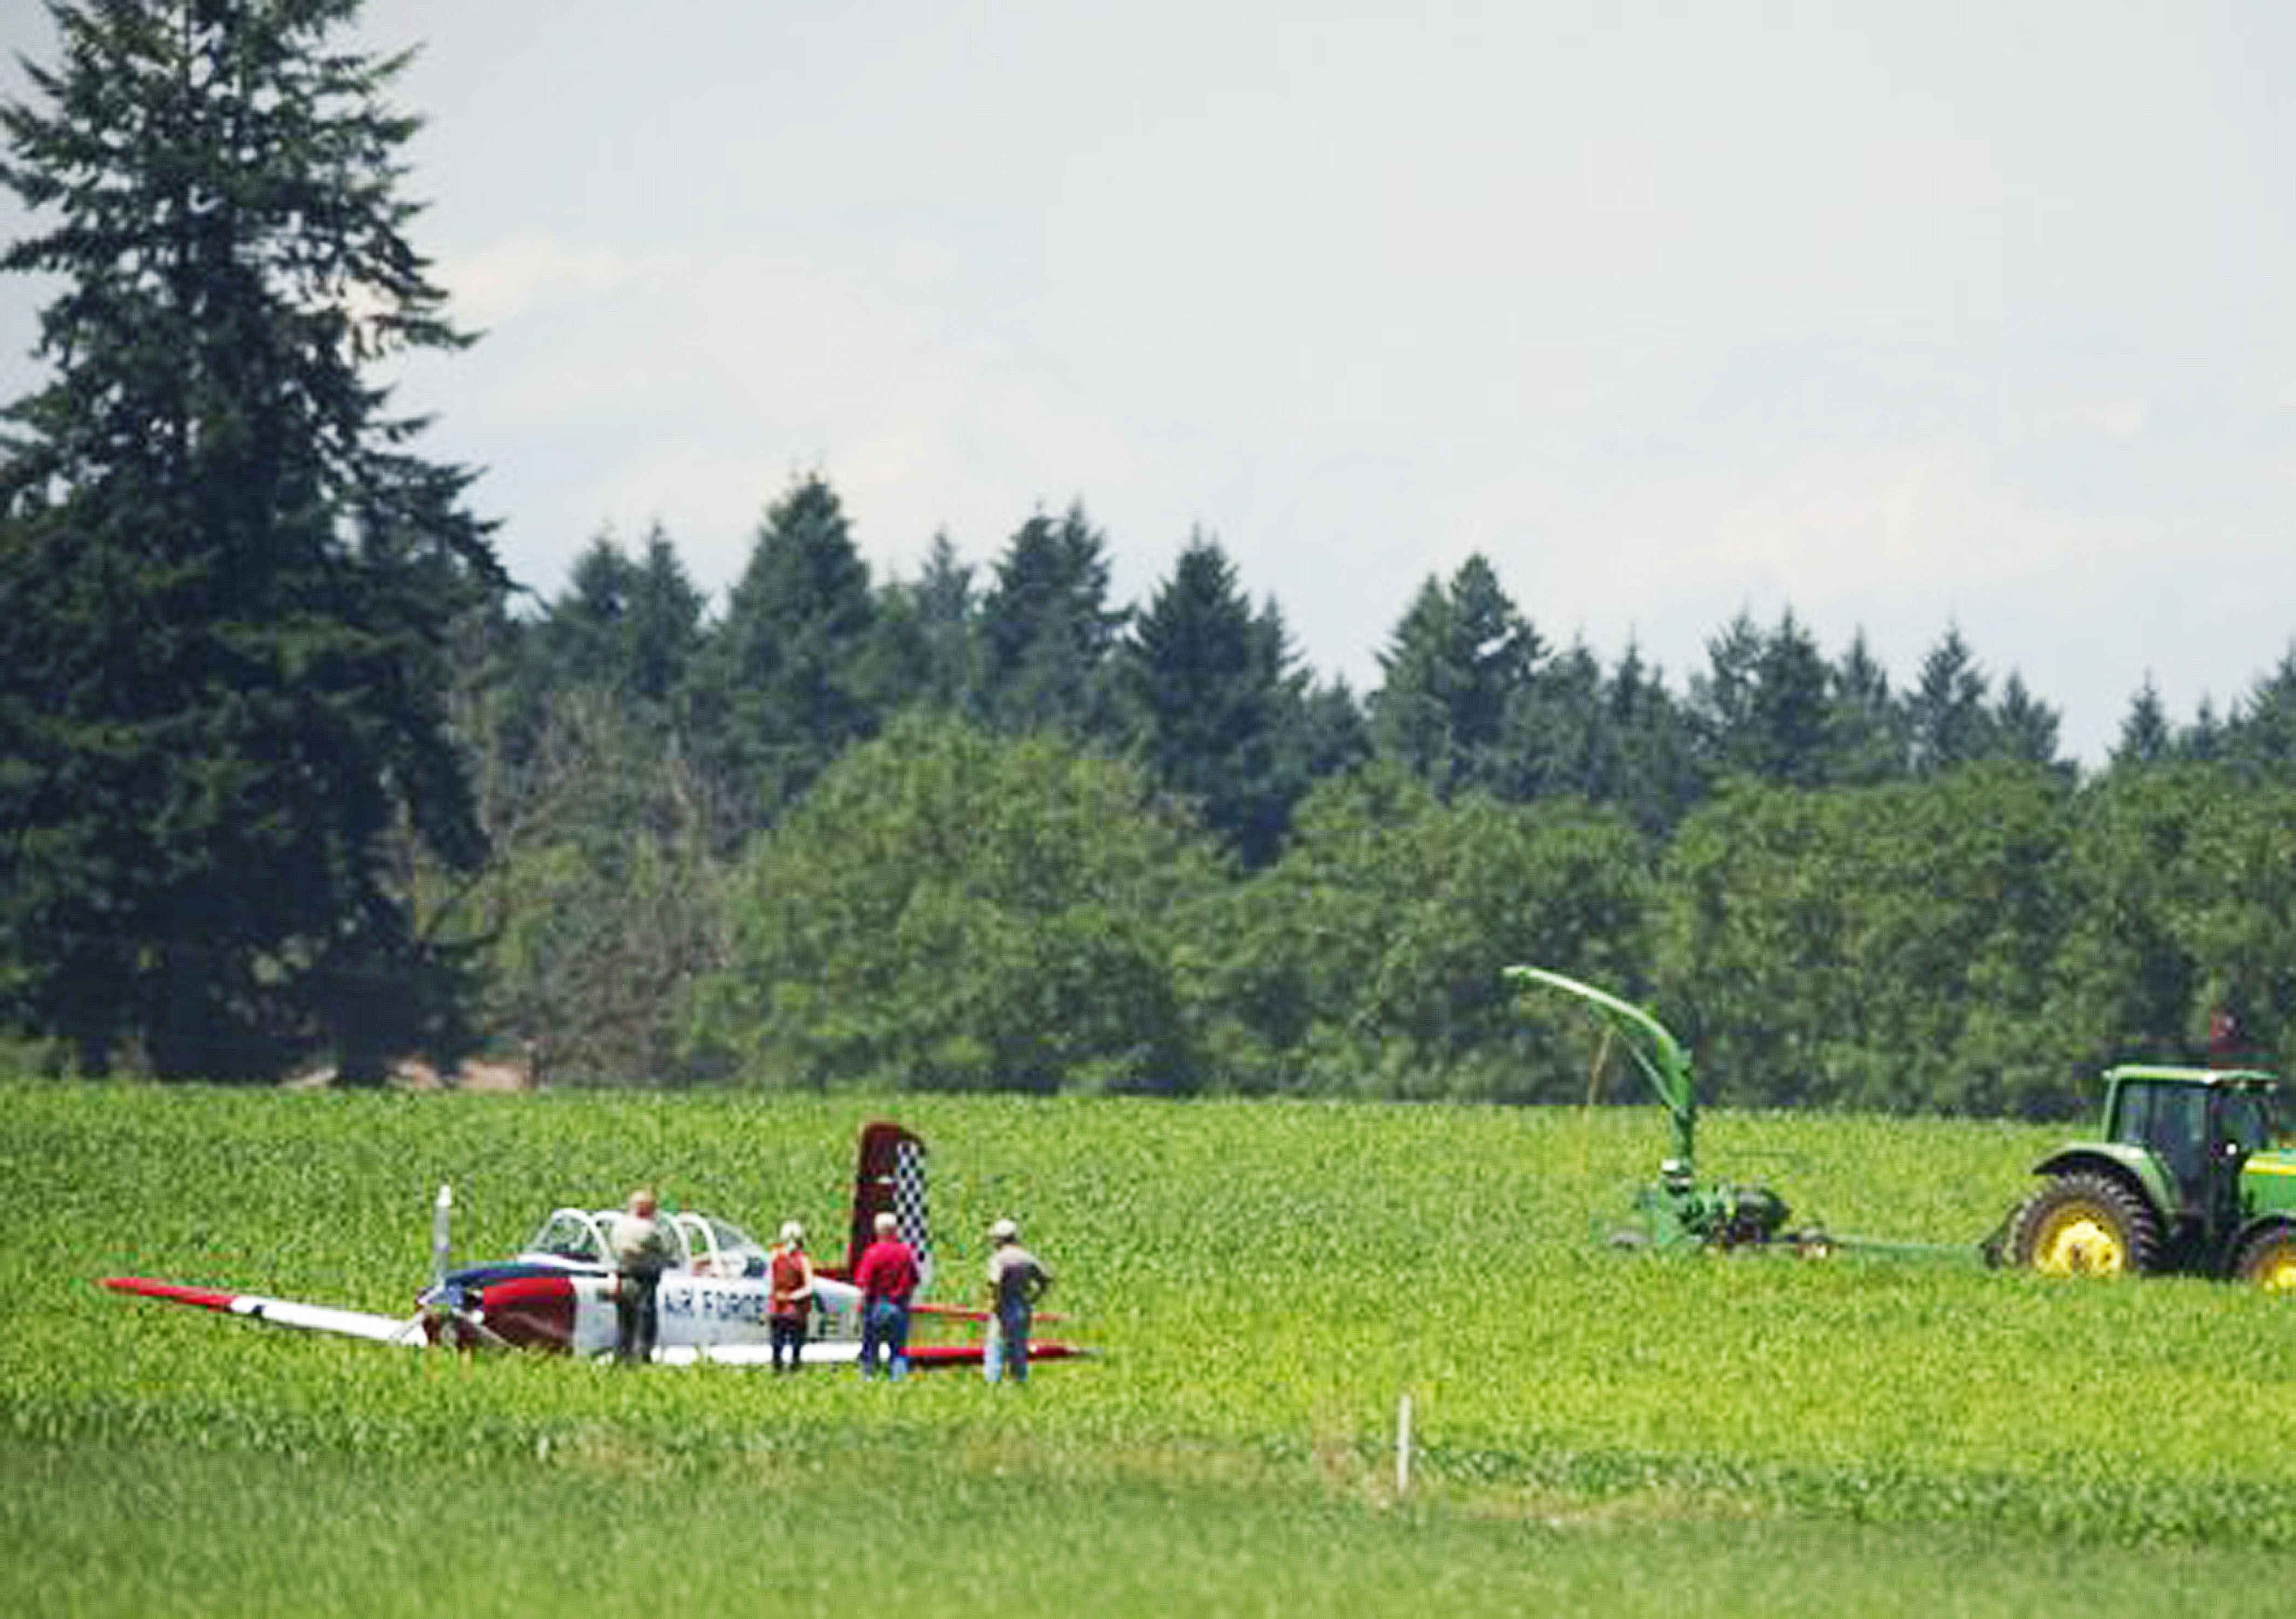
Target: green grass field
[1264, 1281]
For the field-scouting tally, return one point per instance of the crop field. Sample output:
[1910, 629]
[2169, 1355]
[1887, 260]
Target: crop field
[1263, 1282]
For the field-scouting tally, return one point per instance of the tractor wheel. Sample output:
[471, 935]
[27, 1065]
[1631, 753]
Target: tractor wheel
[2086, 1224]
[2268, 1259]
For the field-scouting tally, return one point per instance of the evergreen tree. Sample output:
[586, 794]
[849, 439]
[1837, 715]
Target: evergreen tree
[1462, 655]
[1948, 720]
[2259, 736]
[1722, 699]
[1335, 736]
[2024, 729]
[1210, 687]
[662, 610]
[2204, 741]
[1766, 706]
[1789, 707]
[787, 682]
[2145, 738]
[628, 626]
[226, 578]
[1658, 776]
[1557, 742]
[1047, 631]
[1866, 728]
[929, 638]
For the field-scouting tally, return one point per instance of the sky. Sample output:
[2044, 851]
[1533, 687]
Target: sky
[1900, 316]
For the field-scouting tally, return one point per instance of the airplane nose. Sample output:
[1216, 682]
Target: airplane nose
[530, 1312]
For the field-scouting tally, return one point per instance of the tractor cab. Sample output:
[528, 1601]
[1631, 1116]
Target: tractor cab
[2200, 1126]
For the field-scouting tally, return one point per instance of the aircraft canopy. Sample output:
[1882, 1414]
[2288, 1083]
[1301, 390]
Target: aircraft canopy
[700, 1242]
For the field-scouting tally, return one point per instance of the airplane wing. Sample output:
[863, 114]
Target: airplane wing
[279, 1313]
[966, 1312]
[409, 1333]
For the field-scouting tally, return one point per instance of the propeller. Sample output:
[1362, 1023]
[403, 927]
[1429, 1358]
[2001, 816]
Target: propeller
[448, 1320]
[442, 1216]
[443, 1317]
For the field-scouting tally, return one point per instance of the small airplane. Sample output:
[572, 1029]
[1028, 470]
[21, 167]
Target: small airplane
[557, 1295]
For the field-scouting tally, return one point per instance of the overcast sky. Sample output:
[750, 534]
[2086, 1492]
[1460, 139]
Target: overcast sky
[1900, 316]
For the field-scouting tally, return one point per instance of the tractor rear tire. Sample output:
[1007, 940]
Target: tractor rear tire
[2084, 1224]
[2268, 1260]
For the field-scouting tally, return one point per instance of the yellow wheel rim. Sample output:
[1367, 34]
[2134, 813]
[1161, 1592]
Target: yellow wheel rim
[2076, 1242]
[2277, 1270]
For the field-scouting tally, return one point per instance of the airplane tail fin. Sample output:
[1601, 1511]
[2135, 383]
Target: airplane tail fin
[890, 1177]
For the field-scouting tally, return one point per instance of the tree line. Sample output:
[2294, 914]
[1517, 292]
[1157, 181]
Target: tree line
[1008, 835]
[291, 774]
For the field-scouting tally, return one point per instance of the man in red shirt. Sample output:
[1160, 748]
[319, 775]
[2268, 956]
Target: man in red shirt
[887, 1277]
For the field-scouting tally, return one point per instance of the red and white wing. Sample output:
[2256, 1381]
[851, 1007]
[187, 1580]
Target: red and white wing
[280, 1312]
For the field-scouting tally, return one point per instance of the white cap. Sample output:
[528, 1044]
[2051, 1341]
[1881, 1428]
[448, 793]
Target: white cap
[1004, 1231]
[792, 1232]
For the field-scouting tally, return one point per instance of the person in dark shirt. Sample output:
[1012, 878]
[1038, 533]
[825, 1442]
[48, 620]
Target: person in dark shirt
[887, 1277]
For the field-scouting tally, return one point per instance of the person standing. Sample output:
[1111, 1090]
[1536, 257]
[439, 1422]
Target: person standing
[641, 1254]
[1017, 1279]
[791, 1275]
[887, 1277]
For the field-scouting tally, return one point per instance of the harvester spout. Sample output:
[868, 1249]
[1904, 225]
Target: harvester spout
[1655, 1051]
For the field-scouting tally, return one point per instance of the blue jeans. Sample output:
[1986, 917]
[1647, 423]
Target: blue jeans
[1008, 1345]
[885, 1322]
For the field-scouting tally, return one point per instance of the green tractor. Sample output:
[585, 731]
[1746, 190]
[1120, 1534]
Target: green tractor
[2187, 1180]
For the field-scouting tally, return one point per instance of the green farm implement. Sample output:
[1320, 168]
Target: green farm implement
[2185, 1179]
[1675, 1212]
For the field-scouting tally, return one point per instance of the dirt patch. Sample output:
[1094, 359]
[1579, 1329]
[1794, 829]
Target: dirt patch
[485, 1075]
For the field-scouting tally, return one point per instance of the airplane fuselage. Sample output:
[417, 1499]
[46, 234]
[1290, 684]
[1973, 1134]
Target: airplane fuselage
[556, 1308]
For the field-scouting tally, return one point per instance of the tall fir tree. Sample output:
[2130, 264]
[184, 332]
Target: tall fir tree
[1659, 773]
[2025, 728]
[1948, 716]
[1722, 698]
[1336, 735]
[2145, 738]
[1557, 740]
[1790, 706]
[2258, 736]
[1047, 631]
[226, 577]
[928, 635]
[1865, 723]
[788, 681]
[1210, 689]
[628, 625]
[1462, 657]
